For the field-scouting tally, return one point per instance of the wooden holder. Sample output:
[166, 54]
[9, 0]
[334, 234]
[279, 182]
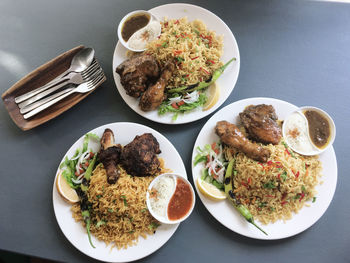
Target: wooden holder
[35, 79]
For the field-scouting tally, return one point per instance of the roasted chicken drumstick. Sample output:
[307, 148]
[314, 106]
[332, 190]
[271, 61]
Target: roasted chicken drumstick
[155, 95]
[233, 137]
[109, 155]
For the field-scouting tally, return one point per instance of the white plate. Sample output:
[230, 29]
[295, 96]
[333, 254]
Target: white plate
[76, 233]
[226, 82]
[226, 214]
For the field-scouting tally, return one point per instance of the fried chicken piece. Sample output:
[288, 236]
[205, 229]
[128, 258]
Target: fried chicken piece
[233, 137]
[137, 73]
[109, 155]
[154, 95]
[260, 123]
[139, 156]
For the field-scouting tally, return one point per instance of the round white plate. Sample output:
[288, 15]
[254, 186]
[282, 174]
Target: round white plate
[226, 214]
[226, 82]
[124, 132]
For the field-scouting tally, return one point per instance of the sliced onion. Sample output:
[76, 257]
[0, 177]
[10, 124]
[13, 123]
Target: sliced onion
[86, 155]
[175, 100]
[76, 157]
[81, 176]
[77, 167]
[191, 97]
[221, 175]
[77, 181]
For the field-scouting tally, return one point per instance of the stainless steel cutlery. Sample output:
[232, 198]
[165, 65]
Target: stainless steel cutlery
[84, 71]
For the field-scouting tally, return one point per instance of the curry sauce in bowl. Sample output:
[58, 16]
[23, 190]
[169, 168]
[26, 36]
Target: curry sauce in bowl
[309, 130]
[137, 29]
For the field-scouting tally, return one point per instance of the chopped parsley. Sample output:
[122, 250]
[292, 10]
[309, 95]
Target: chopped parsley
[100, 223]
[303, 189]
[153, 225]
[270, 185]
[262, 204]
[124, 199]
[179, 59]
[284, 176]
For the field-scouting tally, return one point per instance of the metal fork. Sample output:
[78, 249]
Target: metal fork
[82, 88]
[38, 102]
[71, 78]
[53, 82]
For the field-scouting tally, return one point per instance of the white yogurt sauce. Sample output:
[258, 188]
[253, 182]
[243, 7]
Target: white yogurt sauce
[145, 35]
[296, 133]
[162, 190]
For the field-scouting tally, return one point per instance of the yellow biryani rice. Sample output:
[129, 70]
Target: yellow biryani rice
[276, 189]
[120, 208]
[196, 50]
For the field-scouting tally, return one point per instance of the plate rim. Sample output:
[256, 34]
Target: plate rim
[55, 193]
[251, 235]
[208, 112]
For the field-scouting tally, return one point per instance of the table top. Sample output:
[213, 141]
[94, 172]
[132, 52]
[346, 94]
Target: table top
[297, 51]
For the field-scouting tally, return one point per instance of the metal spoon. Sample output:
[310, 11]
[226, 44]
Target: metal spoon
[80, 62]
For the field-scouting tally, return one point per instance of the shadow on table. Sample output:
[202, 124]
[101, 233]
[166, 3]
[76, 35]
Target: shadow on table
[8, 257]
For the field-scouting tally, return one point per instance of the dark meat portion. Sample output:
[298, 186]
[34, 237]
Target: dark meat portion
[139, 156]
[109, 156]
[233, 137]
[137, 72]
[260, 123]
[154, 95]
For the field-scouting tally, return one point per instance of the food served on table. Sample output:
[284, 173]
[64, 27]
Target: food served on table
[134, 23]
[296, 133]
[260, 123]
[174, 71]
[137, 73]
[170, 198]
[264, 179]
[233, 137]
[137, 29]
[319, 128]
[309, 130]
[139, 157]
[155, 94]
[112, 185]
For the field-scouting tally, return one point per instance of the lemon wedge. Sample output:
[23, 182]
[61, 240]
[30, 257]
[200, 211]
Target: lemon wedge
[213, 94]
[63, 188]
[210, 190]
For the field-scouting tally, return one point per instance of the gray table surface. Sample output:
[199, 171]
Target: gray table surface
[298, 51]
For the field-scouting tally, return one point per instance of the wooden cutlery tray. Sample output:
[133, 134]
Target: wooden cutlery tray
[35, 79]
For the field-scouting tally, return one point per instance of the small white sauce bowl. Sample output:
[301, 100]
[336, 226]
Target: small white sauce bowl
[120, 26]
[315, 150]
[165, 219]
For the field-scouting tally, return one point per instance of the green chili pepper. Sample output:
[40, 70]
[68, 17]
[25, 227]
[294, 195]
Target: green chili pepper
[84, 200]
[201, 85]
[228, 185]
[88, 172]
[86, 217]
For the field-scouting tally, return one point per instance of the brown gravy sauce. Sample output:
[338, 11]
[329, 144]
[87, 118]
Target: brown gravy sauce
[319, 128]
[134, 23]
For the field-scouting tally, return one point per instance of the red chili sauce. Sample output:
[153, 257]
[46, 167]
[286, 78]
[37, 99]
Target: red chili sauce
[181, 201]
